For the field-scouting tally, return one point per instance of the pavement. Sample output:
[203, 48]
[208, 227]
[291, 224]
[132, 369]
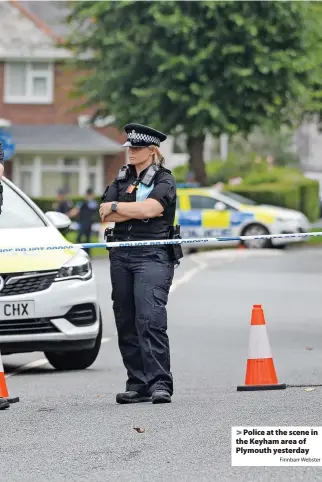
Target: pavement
[67, 426]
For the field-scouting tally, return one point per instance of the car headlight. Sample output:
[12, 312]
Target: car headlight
[77, 268]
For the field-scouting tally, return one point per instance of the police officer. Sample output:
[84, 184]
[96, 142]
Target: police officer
[142, 203]
[3, 402]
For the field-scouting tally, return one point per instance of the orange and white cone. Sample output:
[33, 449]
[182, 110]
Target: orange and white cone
[260, 370]
[3, 386]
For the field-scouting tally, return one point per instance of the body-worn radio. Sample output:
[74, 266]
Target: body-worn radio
[150, 174]
[175, 250]
[123, 174]
[109, 236]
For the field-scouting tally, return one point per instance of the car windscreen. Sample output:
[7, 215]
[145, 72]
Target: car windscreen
[16, 212]
[240, 199]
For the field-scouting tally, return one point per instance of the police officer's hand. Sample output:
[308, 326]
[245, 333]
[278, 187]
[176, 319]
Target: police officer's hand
[104, 210]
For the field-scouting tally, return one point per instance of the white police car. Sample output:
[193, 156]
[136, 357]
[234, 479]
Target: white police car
[48, 299]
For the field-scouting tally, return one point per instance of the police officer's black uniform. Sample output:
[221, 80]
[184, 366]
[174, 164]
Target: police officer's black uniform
[141, 278]
[1, 162]
[3, 403]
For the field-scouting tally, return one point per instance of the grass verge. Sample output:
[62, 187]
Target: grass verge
[316, 239]
[97, 252]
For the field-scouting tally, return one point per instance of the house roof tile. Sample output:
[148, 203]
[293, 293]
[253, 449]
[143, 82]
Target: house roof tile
[62, 139]
[22, 38]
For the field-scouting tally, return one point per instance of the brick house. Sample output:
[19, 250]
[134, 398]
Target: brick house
[54, 147]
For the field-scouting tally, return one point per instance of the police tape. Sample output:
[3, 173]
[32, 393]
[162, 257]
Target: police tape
[161, 242]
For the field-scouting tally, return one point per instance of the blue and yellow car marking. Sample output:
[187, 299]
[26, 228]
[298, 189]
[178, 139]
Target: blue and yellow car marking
[237, 218]
[212, 223]
[190, 218]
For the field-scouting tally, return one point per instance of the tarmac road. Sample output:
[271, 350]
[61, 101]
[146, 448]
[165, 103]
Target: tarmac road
[67, 426]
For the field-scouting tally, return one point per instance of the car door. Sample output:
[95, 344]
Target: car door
[198, 217]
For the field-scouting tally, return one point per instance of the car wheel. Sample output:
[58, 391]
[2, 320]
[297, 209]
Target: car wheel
[256, 230]
[76, 360]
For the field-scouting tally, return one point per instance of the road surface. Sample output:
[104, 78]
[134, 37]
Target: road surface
[67, 426]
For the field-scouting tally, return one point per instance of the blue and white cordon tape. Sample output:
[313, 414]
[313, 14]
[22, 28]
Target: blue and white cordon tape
[125, 244]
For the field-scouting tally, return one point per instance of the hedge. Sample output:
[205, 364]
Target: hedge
[310, 199]
[276, 194]
[48, 204]
[302, 196]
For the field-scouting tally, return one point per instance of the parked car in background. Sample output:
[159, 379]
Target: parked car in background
[48, 299]
[206, 212]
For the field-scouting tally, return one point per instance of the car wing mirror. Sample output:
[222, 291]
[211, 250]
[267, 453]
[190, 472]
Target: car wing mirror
[59, 220]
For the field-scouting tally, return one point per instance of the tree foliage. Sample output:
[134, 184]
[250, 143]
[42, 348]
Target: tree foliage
[197, 67]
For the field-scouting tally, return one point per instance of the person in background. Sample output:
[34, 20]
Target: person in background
[63, 205]
[85, 211]
[3, 402]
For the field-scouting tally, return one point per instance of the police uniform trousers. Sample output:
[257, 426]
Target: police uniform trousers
[141, 279]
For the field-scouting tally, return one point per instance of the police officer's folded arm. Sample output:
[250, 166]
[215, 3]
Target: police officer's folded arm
[150, 208]
[111, 195]
[116, 218]
[159, 198]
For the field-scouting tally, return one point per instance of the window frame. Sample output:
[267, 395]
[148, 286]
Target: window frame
[36, 167]
[48, 74]
[201, 196]
[229, 207]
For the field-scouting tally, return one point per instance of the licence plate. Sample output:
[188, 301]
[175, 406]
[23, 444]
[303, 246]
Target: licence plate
[16, 310]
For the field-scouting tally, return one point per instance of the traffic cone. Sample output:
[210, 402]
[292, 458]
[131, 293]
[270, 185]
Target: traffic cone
[3, 386]
[260, 370]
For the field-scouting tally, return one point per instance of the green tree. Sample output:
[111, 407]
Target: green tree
[194, 67]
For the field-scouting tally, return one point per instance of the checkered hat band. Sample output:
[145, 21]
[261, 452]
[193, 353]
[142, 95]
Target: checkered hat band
[143, 137]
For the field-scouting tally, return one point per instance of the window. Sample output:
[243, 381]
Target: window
[202, 202]
[92, 180]
[43, 175]
[240, 199]
[51, 181]
[26, 183]
[16, 212]
[29, 83]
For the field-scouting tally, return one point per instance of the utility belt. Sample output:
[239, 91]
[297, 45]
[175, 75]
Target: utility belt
[1, 196]
[174, 250]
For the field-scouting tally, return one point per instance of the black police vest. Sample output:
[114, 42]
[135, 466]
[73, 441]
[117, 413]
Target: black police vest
[137, 229]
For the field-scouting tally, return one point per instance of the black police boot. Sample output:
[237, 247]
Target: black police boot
[131, 397]
[4, 404]
[161, 396]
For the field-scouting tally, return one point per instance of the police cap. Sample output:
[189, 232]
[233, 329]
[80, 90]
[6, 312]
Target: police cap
[142, 136]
